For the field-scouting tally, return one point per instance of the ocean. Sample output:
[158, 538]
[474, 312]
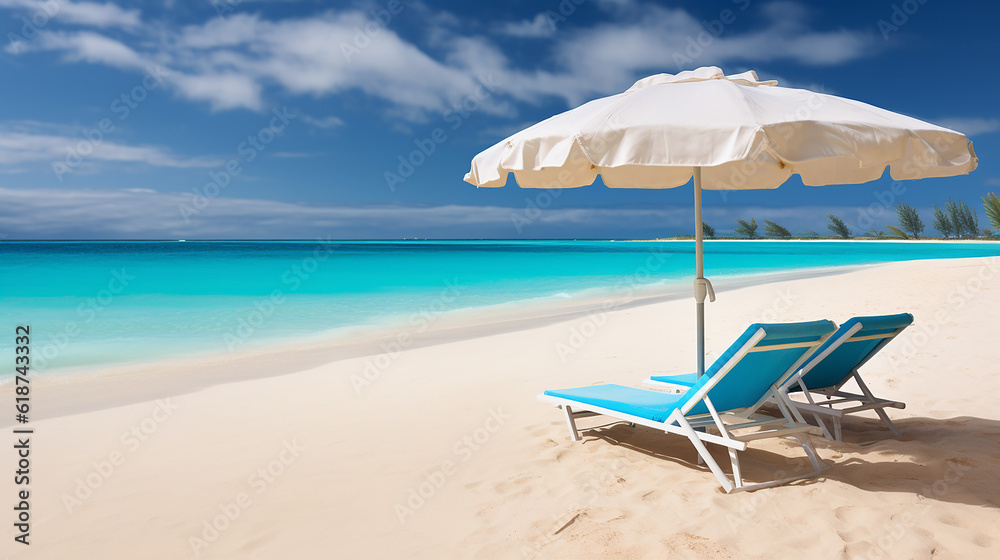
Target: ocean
[91, 304]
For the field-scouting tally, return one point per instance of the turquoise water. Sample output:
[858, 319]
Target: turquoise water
[91, 303]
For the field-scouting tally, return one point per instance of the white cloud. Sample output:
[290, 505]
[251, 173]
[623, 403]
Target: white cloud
[230, 31]
[321, 55]
[541, 26]
[609, 56]
[90, 47]
[99, 15]
[222, 90]
[970, 126]
[18, 146]
[234, 62]
[143, 213]
[324, 122]
[82, 13]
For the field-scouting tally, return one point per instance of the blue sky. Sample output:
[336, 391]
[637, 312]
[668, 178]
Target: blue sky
[257, 119]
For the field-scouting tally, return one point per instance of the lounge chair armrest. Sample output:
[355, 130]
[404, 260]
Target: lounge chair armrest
[786, 430]
[818, 409]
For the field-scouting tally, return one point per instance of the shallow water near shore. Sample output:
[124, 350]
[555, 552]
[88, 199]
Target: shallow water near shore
[91, 304]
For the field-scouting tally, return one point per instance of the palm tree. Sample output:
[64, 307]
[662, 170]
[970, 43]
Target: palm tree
[909, 219]
[971, 220]
[963, 219]
[942, 223]
[774, 230]
[896, 232]
[838, 227]
[746, 228]
[708, 230]
[810, 233]
[991, 202]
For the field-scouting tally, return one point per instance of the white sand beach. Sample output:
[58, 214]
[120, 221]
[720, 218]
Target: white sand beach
[441, 450]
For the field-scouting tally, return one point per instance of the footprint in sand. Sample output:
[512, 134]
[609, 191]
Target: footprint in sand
[537, 431]
[591, 516]
[700, 546]
[964, 461]
[981, 540]
[842, 513]
[519, 483]
[549, 443]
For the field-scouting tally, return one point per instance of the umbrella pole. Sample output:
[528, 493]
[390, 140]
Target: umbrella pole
[700, 291]
[700, 284]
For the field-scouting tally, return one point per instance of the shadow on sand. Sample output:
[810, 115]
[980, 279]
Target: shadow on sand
[950, 460]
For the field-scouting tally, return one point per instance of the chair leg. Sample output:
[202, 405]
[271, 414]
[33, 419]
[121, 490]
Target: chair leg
[879, 410]
[822, 426]
[818, 466]
[571, 423]
[810, 450]
[787, 407]
[698, 459]
[737, 473]
[816, 416]
[703, 453]
[888, 423]
[796, 416]
[838, 432]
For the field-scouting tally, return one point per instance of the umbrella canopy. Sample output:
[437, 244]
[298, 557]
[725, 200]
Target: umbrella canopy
[727, 133]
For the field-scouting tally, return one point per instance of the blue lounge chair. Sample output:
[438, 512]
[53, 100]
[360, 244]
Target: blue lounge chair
[726, 399]
[837, 362]
[830, 367]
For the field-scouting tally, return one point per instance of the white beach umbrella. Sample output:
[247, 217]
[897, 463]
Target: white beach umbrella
[728, 133]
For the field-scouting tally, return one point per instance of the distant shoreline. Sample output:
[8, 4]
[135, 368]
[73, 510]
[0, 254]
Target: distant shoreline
[816, 240]
[512, 240]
